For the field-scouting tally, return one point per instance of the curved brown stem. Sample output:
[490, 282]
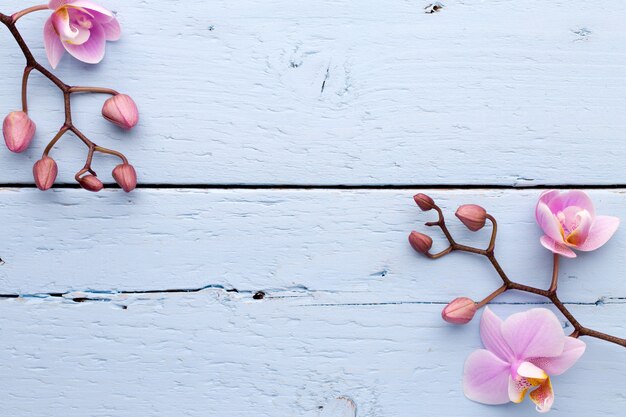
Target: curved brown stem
[494, 233]
[32, 9]
[555, 274]
[54, 140]
[112, 152]
[27, 72]
[508, 284]
[31, 64]
[98, 90]
[491, 296]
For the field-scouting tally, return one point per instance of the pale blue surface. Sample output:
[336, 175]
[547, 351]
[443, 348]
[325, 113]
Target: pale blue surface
[483, 92]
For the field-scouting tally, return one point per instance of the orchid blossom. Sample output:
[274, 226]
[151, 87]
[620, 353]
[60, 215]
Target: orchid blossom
[569, 221]
[521, 353]
[81, 28]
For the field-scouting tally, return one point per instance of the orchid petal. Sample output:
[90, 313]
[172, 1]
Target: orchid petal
[55, 4]
[112, 30]
[61, 23]
[52, 43]
[581, 232]
[534, 333]
[82, 36]
[543, 396]
[545, 198]
[600, 232]
[572, 198]
[491, 335]
[573, 350]
[517, 388]
[556, 247]
[486, 378]
[90, 6]
[91, 51]
[530, 370]
[548, 222]
[548, 195]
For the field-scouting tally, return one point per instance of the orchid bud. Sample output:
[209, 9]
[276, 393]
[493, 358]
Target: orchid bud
[420, 242]
[121, 110]
[91, 183]
[125, 176]
[424, 202]
[459, 311]
[472, 216]
[18, 130]
[45, 172]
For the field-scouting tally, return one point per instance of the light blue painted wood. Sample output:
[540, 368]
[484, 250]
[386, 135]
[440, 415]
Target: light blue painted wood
[483, 92]
[492, 92]
[351, 242]
[221, 354]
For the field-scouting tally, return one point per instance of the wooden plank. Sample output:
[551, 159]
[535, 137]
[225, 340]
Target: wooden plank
[213, 354]
[483, 92]
[350, 245]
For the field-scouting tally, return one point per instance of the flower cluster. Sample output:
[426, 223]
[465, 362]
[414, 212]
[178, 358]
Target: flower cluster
[522, 352]
[81, 28]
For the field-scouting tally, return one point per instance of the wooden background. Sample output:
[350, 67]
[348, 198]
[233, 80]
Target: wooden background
[279, 147]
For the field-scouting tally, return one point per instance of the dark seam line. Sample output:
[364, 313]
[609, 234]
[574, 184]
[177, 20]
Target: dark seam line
[113, 293]
[229, 186]
[443, 303]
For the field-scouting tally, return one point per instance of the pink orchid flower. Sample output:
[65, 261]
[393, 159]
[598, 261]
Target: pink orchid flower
[81, 28]
[569, 221]
[522, 352]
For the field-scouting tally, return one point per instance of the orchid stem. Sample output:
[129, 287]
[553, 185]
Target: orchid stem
[491, 296]
[54, 140]
[555, 274]
[16, 16]
[31, 64]
[98, 90]
[508, 284]
[27, 72]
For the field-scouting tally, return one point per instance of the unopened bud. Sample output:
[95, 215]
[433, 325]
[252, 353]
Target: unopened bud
[472, 216]
[125, 176]
[91, 183]
[45, 172]
[121, 110]
[420, 242]
[18, 130]
[459, 311]
[424, 202]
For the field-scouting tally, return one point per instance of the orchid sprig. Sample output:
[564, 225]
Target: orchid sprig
[81, 28]
[523, 351]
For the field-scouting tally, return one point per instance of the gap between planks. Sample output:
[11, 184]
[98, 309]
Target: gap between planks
[443, 186]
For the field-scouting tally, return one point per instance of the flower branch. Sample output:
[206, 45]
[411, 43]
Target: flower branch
[64, 30]
[475, 217]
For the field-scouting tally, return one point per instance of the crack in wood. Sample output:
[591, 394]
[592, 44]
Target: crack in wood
[258, 295]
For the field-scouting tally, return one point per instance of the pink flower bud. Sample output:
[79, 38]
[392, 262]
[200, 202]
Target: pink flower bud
[459, 311]
[125, 176]
[472, 216]
[424, 202]
[91, 183]
[420, 242]
[18, 130]
[121, 110]
[45, 172]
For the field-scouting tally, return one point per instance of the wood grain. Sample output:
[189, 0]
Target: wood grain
[191, 298]
[352, 244]
[221, 355]
[483, 92]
